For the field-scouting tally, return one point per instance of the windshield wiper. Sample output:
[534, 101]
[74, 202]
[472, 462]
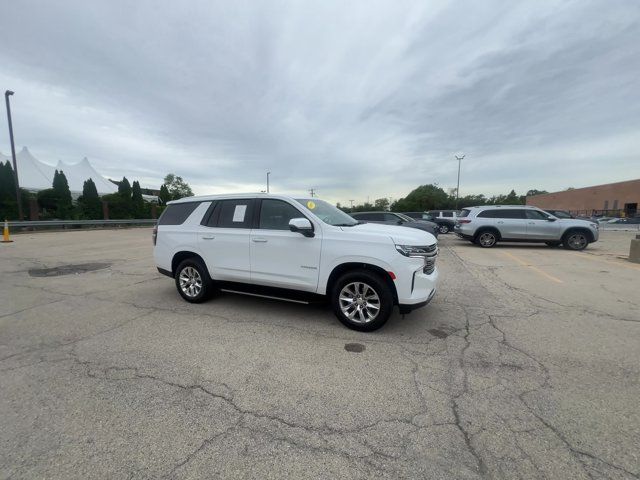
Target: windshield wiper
[346, 224]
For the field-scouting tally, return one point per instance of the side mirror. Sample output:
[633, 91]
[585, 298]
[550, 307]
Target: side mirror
[551, 219]
[400, 222]
[301, 225]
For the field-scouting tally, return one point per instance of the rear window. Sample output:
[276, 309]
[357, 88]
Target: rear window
[503, 213]
[464, 213]
[177, 213]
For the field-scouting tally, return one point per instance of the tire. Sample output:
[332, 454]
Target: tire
[193, 281]
[362, 285]
[575, 240]
[553, 244]
[486, 238]
[443, 229]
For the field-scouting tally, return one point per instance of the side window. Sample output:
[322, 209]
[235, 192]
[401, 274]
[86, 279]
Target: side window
[515, 213]
[177, 213]
[447, 214]
[488, 214]
[234, 214]
[376, 217]
[275, 215]
[535, 215]
[389, 217]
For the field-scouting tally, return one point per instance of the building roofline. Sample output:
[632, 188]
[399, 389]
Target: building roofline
[584, 188]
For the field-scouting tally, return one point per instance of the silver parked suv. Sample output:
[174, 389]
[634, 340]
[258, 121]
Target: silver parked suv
[491, 224]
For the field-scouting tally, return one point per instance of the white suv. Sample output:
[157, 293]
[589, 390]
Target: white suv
[295, 248]
[490, 224]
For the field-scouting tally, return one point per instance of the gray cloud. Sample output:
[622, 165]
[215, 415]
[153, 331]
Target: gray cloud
[356, 100]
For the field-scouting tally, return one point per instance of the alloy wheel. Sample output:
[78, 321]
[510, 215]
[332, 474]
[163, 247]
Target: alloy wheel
[359, 302]
[577, 241]
[190, 282]
[487, 239]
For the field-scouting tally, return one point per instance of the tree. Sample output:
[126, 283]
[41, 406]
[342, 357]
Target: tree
[59, 199]
[137, 200]
[164, 196]
[89, 202]
[124, 188]
[425, 197]
[177, 187]
[381, 204]
[533, 191]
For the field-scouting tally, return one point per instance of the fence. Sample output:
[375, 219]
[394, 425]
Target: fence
[68, 224]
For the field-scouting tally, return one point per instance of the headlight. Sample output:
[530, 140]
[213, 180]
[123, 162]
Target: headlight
[594, 226]
[416, 251]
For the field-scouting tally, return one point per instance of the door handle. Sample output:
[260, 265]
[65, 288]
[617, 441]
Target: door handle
[208, 237]
[532, 223]
[500, 222]
[259, 240]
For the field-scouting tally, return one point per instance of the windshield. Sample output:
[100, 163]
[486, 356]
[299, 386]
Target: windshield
[406, 218]
[561, 214]
[327, 212]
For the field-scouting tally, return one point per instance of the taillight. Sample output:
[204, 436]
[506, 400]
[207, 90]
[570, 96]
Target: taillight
[154, 235]
[462, 220]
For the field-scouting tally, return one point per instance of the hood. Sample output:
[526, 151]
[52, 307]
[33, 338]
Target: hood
[400, 235]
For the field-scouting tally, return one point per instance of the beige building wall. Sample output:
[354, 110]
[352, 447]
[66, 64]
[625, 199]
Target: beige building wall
[612, 196]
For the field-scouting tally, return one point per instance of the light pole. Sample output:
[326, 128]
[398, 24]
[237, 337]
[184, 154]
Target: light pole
[7, 94]
[458, 187]
[268, 173]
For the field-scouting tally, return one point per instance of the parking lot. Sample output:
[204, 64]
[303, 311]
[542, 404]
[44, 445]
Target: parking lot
[526, 365]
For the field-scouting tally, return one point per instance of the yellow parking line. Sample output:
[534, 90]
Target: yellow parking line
[534, 268]
[619, 264]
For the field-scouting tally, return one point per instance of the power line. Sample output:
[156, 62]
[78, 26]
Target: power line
[312, 192]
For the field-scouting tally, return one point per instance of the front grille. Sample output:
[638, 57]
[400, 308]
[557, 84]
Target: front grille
[430, 260]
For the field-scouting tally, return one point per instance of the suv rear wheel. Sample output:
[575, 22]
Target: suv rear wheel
[486, 238]
[362, 300]
[443, 228]
[193, 281]
[575, 240]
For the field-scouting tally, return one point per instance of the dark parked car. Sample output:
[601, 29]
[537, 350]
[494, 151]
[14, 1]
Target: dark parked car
[393, 218]
[445, 225]
[625, 221]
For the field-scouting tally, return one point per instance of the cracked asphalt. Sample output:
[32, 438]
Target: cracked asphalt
[526, 365]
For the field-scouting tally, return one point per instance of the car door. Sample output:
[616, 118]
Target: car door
[539, 227]
[280, 257]
[511, 223]
[224, 239]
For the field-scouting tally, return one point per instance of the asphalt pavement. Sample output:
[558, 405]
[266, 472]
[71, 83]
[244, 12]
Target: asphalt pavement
[526, 365]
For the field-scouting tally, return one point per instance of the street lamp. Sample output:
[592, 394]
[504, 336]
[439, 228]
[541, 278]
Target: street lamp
[458, 187]
[268, 173]
[7, 94]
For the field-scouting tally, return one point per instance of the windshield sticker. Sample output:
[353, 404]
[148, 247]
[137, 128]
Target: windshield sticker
[311, 205]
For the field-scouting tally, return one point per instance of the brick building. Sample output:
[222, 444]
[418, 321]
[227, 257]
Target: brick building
[611, 198]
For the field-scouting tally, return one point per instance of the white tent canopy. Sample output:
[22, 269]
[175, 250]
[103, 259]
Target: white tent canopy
[36, 175]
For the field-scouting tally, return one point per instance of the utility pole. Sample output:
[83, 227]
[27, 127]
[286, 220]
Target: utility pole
[312, 192]
[351, 204]
[458, 187]
[7, 94]
[268, 173]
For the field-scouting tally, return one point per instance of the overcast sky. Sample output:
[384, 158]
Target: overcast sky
[354, 99]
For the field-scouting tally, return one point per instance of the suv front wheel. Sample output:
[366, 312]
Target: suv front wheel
[362, 300]
[193, 281]
[575, 240]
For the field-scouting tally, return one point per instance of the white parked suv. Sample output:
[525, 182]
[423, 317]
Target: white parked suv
[295, 248]
[490, 224]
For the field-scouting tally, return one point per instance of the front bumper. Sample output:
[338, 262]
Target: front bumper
[408, 308]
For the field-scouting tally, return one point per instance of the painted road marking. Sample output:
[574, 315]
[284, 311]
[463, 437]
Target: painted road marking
[532, 267]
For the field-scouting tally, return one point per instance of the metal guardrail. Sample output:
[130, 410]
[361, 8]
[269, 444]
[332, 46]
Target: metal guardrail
[80, 223]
